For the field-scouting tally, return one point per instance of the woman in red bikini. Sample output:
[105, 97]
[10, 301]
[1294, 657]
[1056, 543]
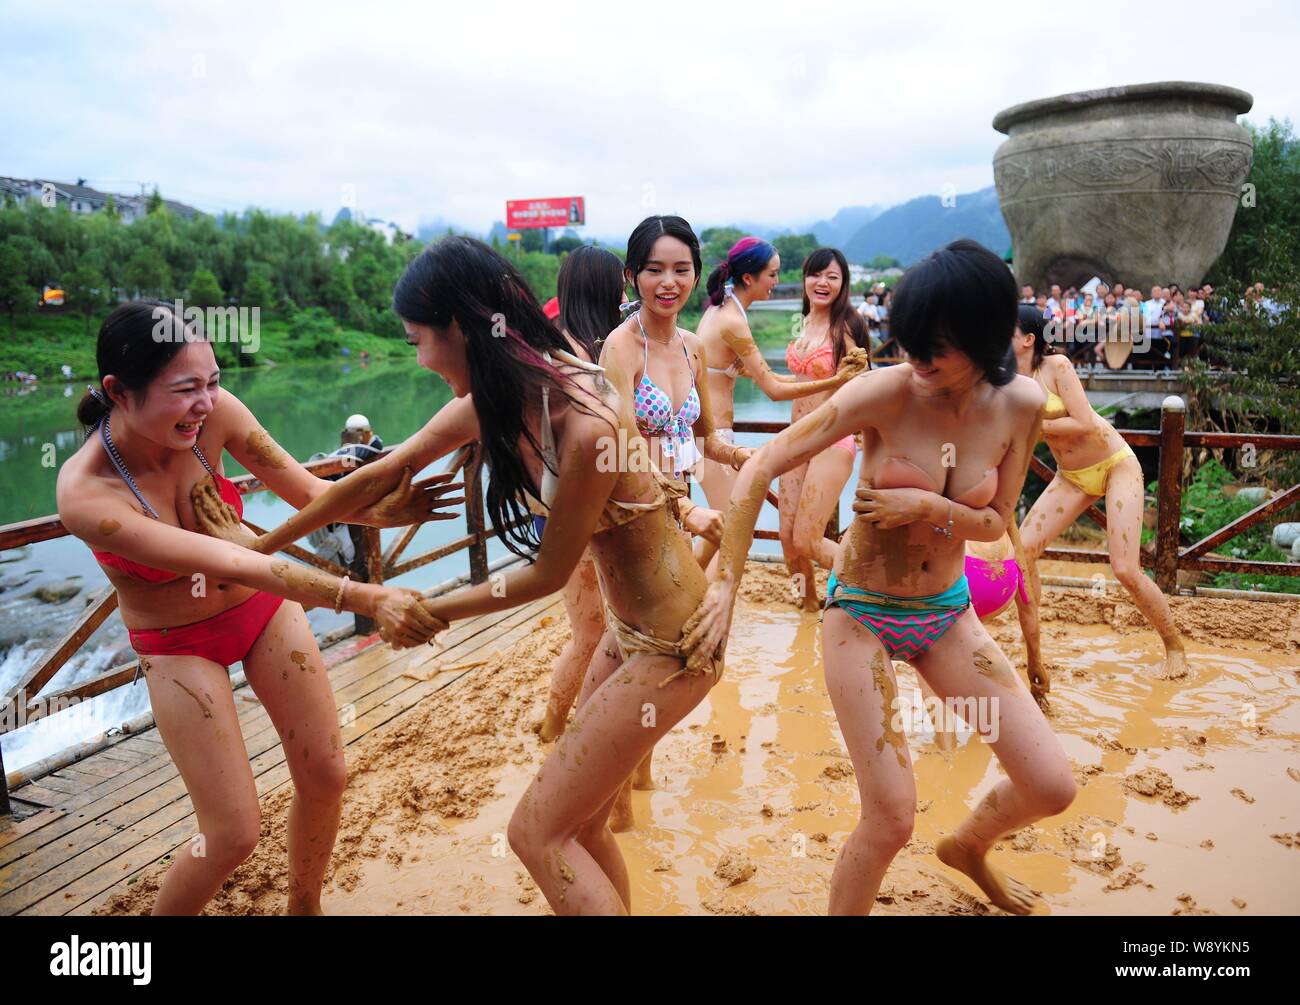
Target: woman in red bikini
[946, 443]
[157, 425]
[830, 329]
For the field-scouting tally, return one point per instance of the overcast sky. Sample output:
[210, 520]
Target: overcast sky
[779, 114]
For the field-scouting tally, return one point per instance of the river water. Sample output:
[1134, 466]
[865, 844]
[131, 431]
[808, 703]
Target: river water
[304, 408]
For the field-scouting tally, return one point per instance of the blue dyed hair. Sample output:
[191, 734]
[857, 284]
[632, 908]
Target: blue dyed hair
[748, 257]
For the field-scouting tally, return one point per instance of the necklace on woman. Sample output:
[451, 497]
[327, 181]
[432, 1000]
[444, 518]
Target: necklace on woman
[651, 338]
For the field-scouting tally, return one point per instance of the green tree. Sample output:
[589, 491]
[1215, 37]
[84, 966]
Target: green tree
[147, 273]
[86, 291]
[17, 295]
[1267, 224]
[794, 248]
[258, 292]
[154, 203]
[531, 239]
[314, 333]
[38, 265]
[715, 242]
[563, 245]
[204, 290]
[541, 272]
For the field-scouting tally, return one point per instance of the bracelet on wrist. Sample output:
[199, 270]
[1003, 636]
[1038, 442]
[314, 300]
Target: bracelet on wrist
[338, 600]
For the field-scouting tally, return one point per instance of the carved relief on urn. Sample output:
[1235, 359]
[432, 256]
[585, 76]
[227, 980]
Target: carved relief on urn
[1135, 183]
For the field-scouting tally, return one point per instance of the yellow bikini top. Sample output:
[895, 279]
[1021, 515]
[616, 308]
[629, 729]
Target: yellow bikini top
[1055, 408]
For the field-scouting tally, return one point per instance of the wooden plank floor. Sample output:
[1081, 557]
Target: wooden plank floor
[86, 831]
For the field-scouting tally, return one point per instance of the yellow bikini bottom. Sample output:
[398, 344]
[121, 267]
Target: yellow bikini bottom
[1094, 477]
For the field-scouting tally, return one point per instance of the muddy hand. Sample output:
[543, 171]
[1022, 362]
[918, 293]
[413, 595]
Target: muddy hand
[855, 361]
[888, 508]
[704, 635]
[403, 619]
[407, 502]
[705, 523]
[1040, 683]
[216, 517]
[740, 456]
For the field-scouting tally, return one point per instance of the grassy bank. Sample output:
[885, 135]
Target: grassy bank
[44, 342]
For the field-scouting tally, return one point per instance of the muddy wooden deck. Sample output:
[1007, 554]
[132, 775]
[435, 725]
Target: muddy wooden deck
[86, 831]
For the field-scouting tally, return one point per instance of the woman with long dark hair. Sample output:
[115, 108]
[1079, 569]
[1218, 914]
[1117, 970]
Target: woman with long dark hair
[1093, 462]
[590, 287]
[654, 364]
[829, 329]
[946, 444]
[157, 425]
[751, 269]
[552, 428]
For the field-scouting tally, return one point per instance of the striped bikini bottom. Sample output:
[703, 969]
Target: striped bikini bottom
[907, 626]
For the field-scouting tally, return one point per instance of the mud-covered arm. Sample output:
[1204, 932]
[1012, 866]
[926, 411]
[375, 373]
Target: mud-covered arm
[107, 523]
[705, 632]
[785, 387]
[583, 491]
[382, 492]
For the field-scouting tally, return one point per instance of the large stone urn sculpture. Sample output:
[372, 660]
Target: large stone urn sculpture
[1137, 184]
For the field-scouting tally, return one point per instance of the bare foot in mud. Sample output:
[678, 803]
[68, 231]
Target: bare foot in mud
[1003, 891]
[216, 517]
[621, 819]
[1174, 666]
[552, 727]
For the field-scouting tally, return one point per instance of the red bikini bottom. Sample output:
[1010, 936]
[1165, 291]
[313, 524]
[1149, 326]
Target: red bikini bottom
[224, 638]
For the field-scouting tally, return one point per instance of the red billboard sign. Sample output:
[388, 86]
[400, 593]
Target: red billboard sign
[522, 214]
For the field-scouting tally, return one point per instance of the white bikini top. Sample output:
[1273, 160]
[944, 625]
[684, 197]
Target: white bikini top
[737, 365]
[550, 456]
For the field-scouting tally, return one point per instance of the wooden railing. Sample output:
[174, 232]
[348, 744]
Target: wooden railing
[375, 566]
[379, 566]
[1169, 557]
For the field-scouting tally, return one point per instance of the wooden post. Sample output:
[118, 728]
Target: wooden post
[369, 561]
[1170, 492]
[474, 517]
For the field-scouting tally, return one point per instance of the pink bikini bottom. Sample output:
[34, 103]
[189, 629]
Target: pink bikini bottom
[993, 584]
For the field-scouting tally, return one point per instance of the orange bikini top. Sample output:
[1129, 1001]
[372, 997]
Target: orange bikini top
[818, 364]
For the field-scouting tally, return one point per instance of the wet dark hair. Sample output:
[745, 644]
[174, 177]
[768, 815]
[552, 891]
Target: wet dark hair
[748, 257]
[962, 296]
[847, 325]
[590, 289]
[642, 241]
[1030, 320]
[505, 334]
[128, 348]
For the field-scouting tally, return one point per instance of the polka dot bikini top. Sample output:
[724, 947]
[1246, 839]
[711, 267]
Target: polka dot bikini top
[655, 417]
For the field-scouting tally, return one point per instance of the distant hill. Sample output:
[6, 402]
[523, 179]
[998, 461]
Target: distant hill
[840, 228]
[915, 228]
[906, 232]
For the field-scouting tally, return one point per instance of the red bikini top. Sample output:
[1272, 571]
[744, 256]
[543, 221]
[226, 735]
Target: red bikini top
[136, 570]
